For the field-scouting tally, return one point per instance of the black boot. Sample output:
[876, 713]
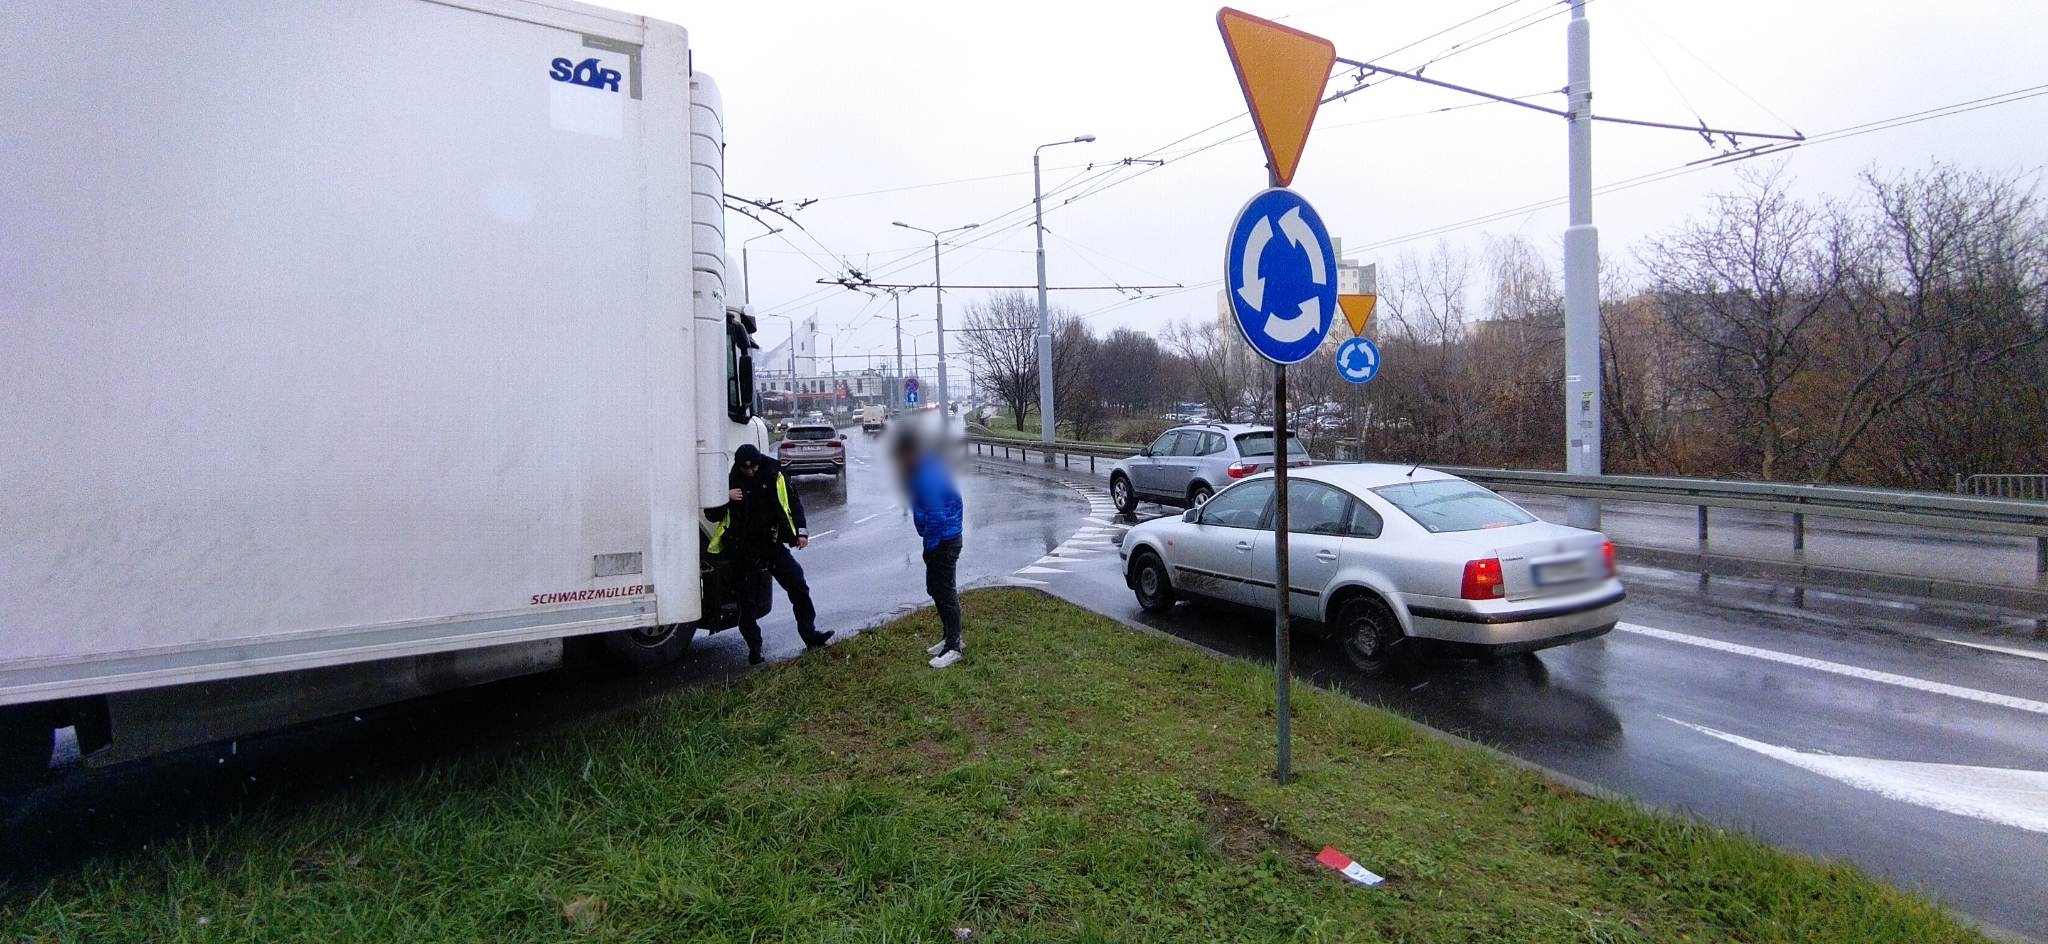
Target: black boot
[818, 640]
[754, 658]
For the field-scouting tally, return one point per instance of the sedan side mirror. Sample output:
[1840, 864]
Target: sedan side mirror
[842, 436]
[1145, 452]
[1192, 516]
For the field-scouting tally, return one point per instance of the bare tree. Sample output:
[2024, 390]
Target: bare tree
[1131, 379]
[1748, 287]
[1949, 278]
[1212, 358]
[1001, 336]
[1077, 376]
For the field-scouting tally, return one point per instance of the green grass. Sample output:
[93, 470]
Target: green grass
[1070, 781]
[1004, 426]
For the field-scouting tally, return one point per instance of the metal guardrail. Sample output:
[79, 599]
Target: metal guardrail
[1981, 515]
[2031, 487]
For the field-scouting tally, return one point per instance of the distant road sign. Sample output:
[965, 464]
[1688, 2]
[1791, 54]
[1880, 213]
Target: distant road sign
[1282, 71]
[910, 387]
[1358, 310]
[910, 397]
[1280, 271]
[1358, 360]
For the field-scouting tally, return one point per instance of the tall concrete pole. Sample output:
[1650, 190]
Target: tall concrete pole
[897, 397]
[1582, 416]
[939, 320]
[938, 301]
[1046, 420]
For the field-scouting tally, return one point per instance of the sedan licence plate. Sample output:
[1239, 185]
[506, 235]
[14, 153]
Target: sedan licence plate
[1557, 572]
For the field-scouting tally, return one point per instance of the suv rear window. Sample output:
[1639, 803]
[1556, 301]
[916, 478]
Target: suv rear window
[811, 432]
[1452, 505]
[1261, 444]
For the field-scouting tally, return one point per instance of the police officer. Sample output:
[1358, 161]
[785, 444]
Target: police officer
[762, 519]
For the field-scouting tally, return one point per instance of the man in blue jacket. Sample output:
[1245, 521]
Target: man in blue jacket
[936, 509]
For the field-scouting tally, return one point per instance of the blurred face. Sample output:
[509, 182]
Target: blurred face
[749, 468]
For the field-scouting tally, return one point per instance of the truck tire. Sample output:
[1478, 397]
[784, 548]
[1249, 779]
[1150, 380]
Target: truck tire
[25, 742]
[644, 650]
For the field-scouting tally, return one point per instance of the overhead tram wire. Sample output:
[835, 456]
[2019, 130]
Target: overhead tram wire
[1827, 137]
[986, 230]
[916, 257]
[1663, 174]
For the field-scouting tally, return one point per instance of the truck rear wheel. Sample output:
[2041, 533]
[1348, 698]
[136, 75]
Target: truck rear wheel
[25, 742]
[644, 650]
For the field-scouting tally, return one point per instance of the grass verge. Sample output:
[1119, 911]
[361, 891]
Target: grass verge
[1069, 781]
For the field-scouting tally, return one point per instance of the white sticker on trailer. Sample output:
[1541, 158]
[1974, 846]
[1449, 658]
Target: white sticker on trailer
[586, 110]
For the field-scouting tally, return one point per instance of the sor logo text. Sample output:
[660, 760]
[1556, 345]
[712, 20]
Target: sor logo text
[587, 73]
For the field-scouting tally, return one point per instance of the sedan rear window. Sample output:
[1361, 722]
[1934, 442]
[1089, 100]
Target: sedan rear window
[812, 432]
[1453, 505]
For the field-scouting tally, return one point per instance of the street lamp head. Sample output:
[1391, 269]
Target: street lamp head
[971, 226]
[902, 224]
[1084, 139]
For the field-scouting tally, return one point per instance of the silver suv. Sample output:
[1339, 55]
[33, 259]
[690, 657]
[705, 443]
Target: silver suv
[1187, 464]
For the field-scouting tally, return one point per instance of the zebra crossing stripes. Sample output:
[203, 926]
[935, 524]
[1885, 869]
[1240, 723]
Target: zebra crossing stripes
[1097, 536]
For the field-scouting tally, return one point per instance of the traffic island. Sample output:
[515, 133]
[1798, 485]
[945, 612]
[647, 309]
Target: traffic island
[1070, 780]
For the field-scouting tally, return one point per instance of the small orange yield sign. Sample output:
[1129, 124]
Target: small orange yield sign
[1357, 310]
[1282, 71]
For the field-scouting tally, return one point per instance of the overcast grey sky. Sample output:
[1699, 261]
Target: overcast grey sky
[836, 100]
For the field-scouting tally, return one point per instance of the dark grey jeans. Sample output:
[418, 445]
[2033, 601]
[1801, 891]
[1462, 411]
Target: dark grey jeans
[941, 580]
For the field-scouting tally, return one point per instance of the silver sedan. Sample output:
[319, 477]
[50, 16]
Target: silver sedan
[1384, 556]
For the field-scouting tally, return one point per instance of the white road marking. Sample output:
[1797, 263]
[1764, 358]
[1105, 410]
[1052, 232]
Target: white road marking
[1837, 668]
[2008, 650]
[1024, 581]
[1039, 570]
[874, 516]
[824, 533]
[2003, 795]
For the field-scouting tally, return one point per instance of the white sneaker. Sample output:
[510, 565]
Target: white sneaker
[951, 656]
[938, 647]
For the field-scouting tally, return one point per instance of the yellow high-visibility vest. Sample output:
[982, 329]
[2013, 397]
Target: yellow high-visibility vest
[781, 495]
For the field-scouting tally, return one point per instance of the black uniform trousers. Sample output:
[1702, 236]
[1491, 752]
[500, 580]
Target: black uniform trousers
[757, 598]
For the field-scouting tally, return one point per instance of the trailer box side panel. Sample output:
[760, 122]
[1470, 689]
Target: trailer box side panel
[325, 318]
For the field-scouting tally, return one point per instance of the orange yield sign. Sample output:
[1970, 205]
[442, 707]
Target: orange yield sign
[1358, 310]
[1282, 71]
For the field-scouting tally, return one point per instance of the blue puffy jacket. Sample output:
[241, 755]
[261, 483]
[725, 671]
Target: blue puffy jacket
[934, 503]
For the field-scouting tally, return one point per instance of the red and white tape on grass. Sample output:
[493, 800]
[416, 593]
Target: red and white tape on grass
[1349, 869]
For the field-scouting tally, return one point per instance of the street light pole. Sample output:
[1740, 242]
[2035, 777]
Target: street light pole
[1582, 414]
[939, 302]
[896, 398]
[1046, 420]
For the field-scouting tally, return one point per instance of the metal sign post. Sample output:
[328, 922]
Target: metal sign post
[1283, 626]
[1280, 271]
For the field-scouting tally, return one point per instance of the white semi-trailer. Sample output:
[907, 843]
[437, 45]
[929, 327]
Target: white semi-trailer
[349, 352]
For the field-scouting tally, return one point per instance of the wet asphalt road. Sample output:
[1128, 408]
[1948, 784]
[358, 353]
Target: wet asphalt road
[1838, 724]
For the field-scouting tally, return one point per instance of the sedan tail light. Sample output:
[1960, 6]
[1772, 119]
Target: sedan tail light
[1483, 580]
[1607, 556]
[1240, 469]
